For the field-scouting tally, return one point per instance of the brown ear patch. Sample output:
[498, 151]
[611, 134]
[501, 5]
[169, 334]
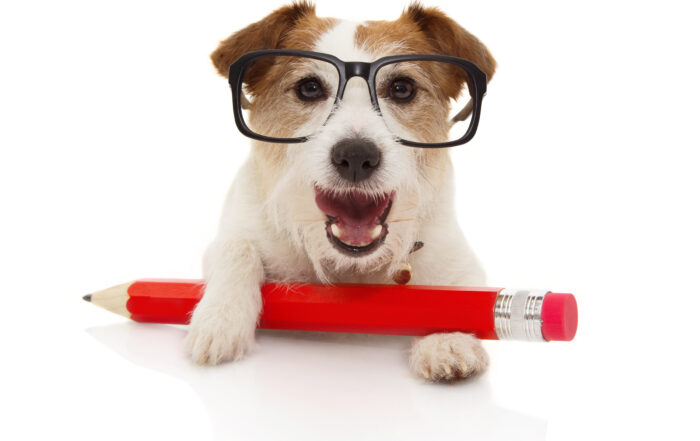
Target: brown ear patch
[291, 27]
[449, 38]
[426, 31]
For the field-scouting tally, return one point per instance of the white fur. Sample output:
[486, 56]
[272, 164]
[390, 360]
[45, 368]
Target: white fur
[281, 235]
[340, 41]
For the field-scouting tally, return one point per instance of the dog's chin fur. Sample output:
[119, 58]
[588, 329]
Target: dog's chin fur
[272, 228]
[294, 212]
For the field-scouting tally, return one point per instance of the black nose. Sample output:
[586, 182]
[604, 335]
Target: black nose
[355, 158]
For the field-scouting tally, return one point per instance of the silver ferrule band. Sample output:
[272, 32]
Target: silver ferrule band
[517, 314]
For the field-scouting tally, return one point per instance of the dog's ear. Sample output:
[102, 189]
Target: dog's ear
[449, 38]
[268, 33]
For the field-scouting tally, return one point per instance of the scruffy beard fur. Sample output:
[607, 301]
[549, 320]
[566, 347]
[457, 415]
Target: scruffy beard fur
[272, 228]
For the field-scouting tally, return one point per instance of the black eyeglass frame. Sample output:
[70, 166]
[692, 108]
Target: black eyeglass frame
[346, 70]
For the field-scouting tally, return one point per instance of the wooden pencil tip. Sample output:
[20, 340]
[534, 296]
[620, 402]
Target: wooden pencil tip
[87, 297]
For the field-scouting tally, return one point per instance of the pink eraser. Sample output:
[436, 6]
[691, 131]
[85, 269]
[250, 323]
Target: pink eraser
[559, 317]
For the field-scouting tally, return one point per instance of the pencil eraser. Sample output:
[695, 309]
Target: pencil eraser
[559, 317]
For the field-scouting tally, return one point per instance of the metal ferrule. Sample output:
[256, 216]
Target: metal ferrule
[518, 314]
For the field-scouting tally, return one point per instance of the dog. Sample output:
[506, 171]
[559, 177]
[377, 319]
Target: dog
[286, 213]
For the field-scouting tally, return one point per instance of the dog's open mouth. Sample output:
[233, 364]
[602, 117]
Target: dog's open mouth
[356, 221]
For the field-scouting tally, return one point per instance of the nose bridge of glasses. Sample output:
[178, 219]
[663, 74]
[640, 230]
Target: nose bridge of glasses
[355, 69]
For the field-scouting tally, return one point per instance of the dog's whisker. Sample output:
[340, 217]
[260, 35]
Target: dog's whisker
[408, 206]
[401, 220]
[426, 165]
[309, 220]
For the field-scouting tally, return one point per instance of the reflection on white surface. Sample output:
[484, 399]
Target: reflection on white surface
[318, 385]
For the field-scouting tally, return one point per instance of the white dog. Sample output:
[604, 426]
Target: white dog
[311, 212]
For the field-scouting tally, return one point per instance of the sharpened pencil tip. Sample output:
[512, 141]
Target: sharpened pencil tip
[87, 297]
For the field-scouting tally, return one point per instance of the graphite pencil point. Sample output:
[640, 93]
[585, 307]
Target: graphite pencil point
[87, 297]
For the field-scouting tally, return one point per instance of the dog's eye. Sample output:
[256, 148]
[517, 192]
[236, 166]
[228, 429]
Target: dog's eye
[310, 89]
[402, 90]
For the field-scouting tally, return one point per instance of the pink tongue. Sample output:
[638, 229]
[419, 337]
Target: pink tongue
[355, 235]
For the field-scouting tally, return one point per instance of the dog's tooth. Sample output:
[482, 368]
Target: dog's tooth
[376, 231]
[336, 230]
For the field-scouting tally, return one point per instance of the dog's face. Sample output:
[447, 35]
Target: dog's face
[352, 196]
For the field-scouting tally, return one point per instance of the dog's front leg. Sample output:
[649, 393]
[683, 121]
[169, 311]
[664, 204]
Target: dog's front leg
[449, 356]
[223, 324]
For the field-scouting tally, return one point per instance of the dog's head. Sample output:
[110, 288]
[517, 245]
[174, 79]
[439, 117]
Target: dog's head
[351, 196]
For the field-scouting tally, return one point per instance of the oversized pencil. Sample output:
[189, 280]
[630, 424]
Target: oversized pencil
[488, 313]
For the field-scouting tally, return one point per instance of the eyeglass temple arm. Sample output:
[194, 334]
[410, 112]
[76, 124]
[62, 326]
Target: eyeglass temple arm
[464, 113]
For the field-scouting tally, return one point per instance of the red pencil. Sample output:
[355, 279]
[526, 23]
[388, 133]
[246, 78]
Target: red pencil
[488, 313]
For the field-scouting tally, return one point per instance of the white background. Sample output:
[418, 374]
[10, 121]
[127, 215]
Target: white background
[118, 145]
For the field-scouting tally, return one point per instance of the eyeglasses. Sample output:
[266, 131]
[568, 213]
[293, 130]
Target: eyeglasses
[293, 94]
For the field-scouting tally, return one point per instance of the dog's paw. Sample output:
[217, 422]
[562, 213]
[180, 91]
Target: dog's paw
[213, 339]
[448, 357]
